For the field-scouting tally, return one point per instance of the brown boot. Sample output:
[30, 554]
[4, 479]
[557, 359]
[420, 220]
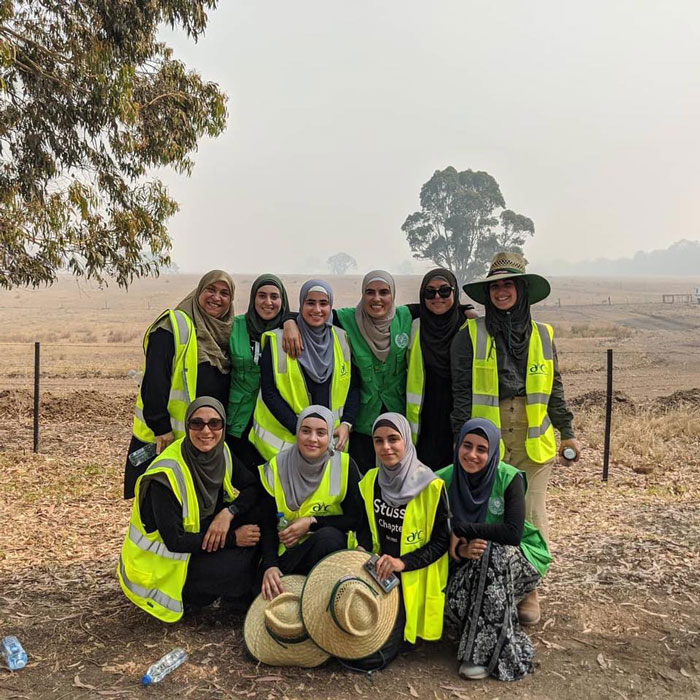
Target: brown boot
[529, 609]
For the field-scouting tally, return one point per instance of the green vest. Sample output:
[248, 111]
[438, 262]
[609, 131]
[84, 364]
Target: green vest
[150, 575]
[540, 444]
[267, 434]
[532, 544]
[423, 589]
[325, 500]
[245, 379]
[183, 383]
[415, 381]
[380, 382]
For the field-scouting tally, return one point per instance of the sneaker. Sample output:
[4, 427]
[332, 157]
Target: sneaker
[472, 673]
[529, 609]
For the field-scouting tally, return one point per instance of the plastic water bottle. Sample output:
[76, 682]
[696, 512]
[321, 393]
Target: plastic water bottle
[143, 454]
[13, 653]
[164, 666]
[282, 524]
[569, 453]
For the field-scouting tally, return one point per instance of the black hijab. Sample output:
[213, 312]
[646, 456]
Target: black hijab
[515, 325]
[436, 332]
[469, 493]
[207, 468]
[254, 323]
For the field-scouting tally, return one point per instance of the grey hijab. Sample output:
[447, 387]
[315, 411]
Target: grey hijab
[207, 468]
[377, 331]
[317, 356]
[410, 476]
[299, 477]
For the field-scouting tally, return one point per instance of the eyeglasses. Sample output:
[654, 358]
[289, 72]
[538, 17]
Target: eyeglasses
[444, 292]
[197, 424]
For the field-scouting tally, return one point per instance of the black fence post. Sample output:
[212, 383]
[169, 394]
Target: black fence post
[608, 416]
[37, 368]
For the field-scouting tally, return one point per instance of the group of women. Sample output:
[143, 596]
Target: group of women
[422, 433]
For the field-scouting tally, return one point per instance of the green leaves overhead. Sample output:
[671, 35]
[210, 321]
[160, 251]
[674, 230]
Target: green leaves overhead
[89, 102]
[463, 222]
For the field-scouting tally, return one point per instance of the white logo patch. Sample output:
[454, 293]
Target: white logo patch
[401, 340]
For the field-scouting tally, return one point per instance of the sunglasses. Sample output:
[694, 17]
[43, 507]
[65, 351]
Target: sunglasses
[197, 424]
[444, 292]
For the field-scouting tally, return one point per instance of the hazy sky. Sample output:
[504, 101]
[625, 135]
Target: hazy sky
[587, 114]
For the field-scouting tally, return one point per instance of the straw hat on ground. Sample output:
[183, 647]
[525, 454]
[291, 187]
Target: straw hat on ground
[344, 609]
[507, 265]
[274, 632]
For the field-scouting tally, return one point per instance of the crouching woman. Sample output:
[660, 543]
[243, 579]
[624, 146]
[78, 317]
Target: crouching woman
[189, 541]
[499, 557]
[407, 524]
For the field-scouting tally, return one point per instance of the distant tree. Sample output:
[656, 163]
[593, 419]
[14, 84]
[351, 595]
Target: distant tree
[340, 263]
[90, 100]
[463, 222]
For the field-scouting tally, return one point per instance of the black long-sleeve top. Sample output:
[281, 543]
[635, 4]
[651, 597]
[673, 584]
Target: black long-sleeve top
[163, 512]
[157, 378]
[390, 529]
[350, 519]
[510, 531]
[319, 393]
[511, 382]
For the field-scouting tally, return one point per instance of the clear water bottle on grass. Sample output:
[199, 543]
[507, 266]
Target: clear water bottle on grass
[164, 666]
[13, 653]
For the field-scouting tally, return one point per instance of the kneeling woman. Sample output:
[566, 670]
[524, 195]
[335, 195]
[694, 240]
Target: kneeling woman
[316, 490]
[407, 524]
[500, 557]
[188, 542]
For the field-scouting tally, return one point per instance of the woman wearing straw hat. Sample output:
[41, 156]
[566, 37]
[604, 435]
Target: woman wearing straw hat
[267, 307]
[315, 490]
[322, 375]
[407, 524]
[500, 556]
[505, 369]
[189, 539]
[186, 355]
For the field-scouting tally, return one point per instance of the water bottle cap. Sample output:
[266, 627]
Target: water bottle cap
[146, 680]
[280, 515]
[569, 453]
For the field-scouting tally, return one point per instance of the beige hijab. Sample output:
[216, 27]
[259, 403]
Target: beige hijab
[212, 333]
[377, 332]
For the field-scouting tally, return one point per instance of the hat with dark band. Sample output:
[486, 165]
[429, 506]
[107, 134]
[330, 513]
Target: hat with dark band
[507, 265]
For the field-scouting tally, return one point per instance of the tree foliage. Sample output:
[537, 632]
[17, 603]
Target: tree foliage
[90, 100]
[463, 221]
[340, 263]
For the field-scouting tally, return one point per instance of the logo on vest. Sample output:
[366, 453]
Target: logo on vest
[415, 536]
[343, 369]
[496, 505]
[537, 368]
[320, 508]
[401, 340]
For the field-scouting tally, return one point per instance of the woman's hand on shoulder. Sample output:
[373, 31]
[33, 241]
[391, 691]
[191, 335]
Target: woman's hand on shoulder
[340, 436]
[217, 531]
[162, 441]
[271, 583]
[291, 339]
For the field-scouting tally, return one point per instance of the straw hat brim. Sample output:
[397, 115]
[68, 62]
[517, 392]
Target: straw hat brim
[316, 614]
[538, 287]
[266, 649]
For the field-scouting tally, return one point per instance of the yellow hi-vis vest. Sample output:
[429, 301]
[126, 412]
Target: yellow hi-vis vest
[267, 434]
[150, 575]
[415, 381]
[541, 444]
[325, 500]
[423, 589]
[183, 383]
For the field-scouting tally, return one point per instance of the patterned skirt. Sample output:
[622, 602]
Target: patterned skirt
[482, 597]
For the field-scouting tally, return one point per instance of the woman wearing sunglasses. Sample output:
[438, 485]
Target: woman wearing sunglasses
[190, 539]
[437, 318]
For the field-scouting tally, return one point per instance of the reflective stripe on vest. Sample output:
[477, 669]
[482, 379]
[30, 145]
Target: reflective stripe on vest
[183, 383]
[150, 575]
[540, 442]
[267, 434]
[423, 589]
[325, 500]
[415, 381]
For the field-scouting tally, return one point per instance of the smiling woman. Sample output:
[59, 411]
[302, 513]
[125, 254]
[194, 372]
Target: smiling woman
[186, 355]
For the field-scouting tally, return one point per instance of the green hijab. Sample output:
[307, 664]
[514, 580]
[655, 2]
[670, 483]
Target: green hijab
[254, 323]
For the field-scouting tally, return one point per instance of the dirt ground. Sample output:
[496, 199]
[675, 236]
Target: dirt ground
[621, 616]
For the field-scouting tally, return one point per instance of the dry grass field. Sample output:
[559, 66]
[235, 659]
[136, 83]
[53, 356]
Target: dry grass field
[621, 616]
